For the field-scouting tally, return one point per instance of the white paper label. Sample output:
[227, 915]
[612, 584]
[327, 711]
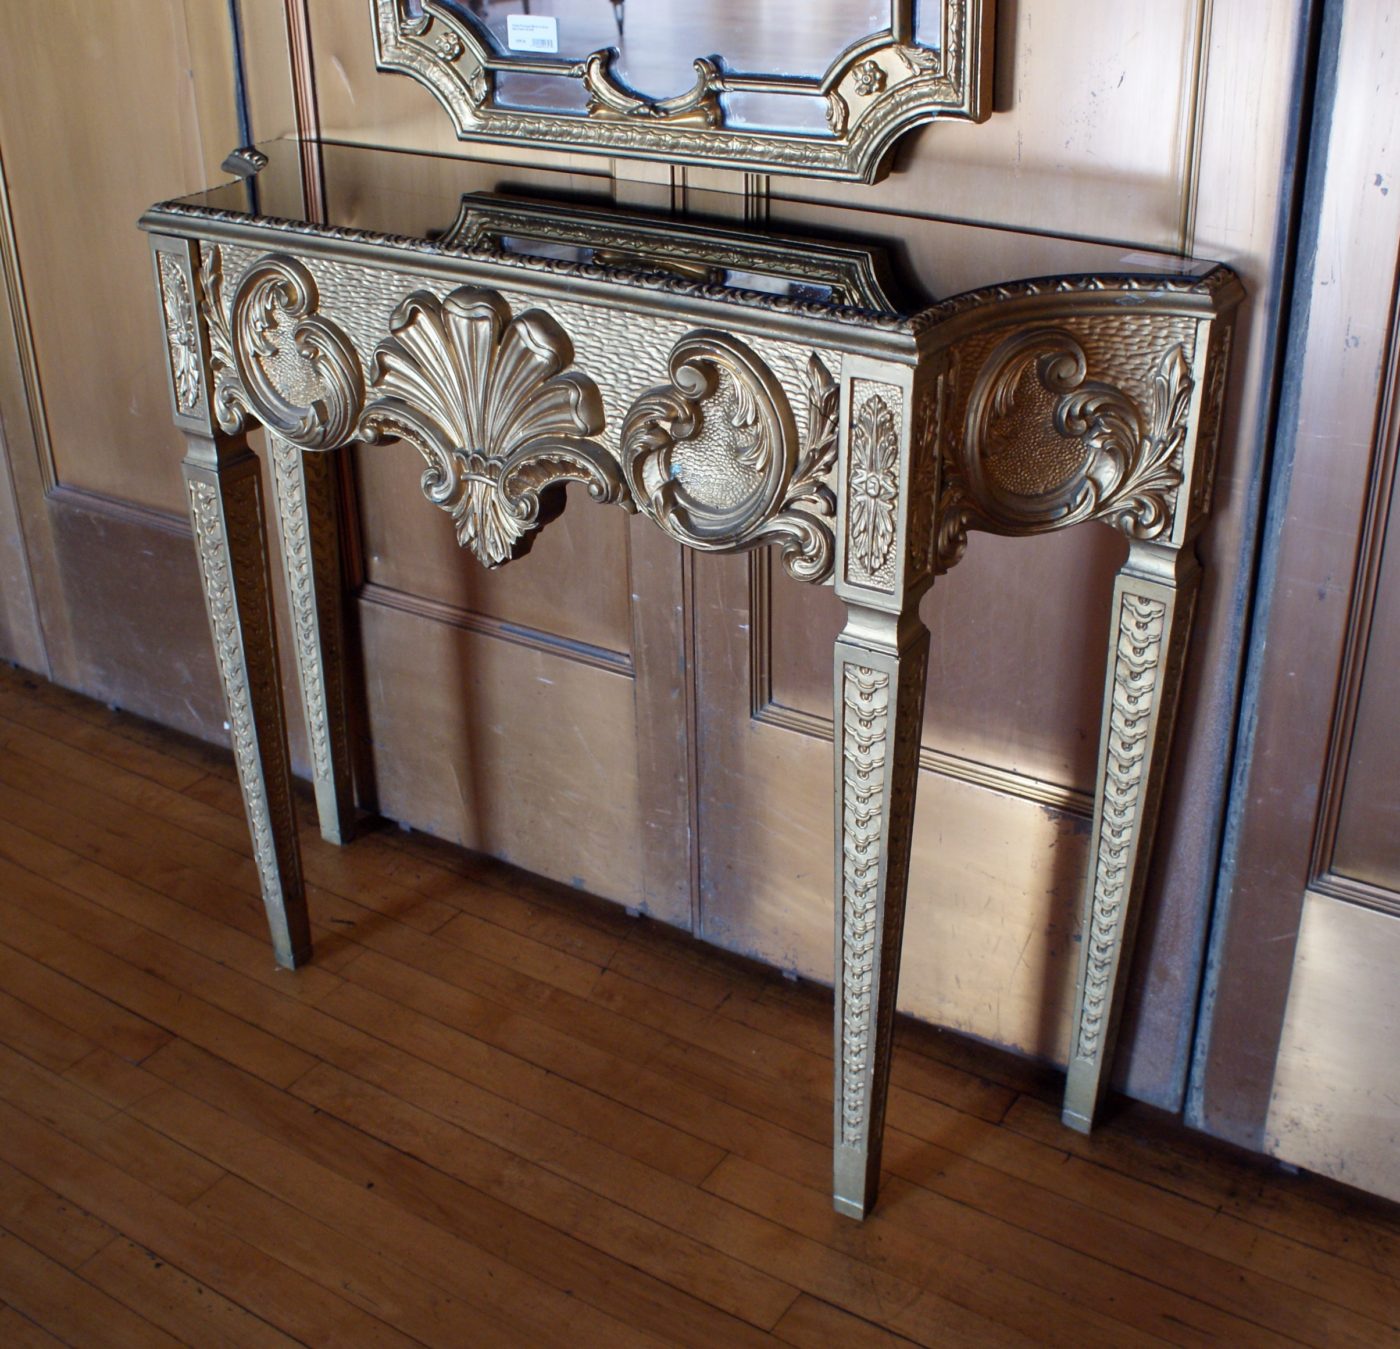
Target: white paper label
[532, 33]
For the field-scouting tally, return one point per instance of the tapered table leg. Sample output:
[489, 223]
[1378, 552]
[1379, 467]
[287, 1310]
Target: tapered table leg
[304, 484]
[1154, 599]
[881, 665]
[227, 511]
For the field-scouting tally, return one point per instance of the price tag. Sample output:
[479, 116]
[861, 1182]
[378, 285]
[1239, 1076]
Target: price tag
[532, 33]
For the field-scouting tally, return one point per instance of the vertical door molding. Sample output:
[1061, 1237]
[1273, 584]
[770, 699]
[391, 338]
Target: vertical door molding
[1340, 344]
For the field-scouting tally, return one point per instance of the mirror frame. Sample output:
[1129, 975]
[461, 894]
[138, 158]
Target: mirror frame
[877, 89]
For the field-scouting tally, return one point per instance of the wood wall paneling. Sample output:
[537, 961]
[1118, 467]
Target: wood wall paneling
[96, 121]
[21, 636]
[1332, 1106]
[1367, 841]
[1092, 134]
[135, 108]
[1341, 376]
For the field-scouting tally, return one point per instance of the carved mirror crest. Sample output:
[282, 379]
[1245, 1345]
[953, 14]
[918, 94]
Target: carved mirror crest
[820, 87]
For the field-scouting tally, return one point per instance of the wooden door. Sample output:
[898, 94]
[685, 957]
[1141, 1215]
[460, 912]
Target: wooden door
[1298, 1052]
[649, 727]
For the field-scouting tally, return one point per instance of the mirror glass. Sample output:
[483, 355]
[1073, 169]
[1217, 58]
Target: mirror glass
[657, 42]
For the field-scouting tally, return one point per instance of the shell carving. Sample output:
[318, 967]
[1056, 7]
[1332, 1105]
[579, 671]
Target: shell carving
[486, 398]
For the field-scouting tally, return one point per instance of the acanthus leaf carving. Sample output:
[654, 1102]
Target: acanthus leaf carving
[712, 457]
[865, 712]
[1105, 460]
[486, 398]
[182, 340]
[1137, 662]
[873, 491]
[231, 406]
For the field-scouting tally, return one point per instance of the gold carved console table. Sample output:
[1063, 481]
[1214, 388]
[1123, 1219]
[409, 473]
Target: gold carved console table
[796, 404]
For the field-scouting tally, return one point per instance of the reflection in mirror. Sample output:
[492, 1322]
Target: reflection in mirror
[657, 42]
[808, 270]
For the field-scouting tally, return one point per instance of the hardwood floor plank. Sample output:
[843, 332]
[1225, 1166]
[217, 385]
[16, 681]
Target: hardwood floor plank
[179, 1304]
[667, 1098]
[123, 905]
[38, 1036]
[47, 1221]
[1283, 1283]
[358, 1211]
[149, 995]
[554, 1231]
[19, 1332]
[203, 1249]
[115, 1081]
[936, 1259]
[70, 1003]
[388, 1287]
[55, 1297]
[811, 1324]
[114, 1136]
[497, 1111]
[543, 1094]
[1347, 1223]
[765, 1246]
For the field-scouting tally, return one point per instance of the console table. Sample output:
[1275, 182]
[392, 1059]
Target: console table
[739, 389]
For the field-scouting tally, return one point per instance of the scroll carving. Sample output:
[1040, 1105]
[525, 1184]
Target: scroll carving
[182, 341]
[1136, 671]
[1043, 446]
[485, 398]
[698, 106]
[273, 357]
[713, 457]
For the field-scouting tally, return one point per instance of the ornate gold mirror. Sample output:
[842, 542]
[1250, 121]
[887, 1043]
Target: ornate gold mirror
[820, 87]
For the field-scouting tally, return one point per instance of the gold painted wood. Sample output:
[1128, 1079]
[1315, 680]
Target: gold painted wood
[881, 670]
[1154, 606]
[1021, 409]
[879, 87]
[231, 543]
[304, 488]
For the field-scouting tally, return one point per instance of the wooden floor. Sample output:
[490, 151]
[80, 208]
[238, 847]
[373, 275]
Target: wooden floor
[495, 1112]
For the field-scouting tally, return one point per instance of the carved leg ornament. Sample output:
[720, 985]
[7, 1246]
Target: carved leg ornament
[1153, 601]
[881, 666]
[227, 512]
[305, 487]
